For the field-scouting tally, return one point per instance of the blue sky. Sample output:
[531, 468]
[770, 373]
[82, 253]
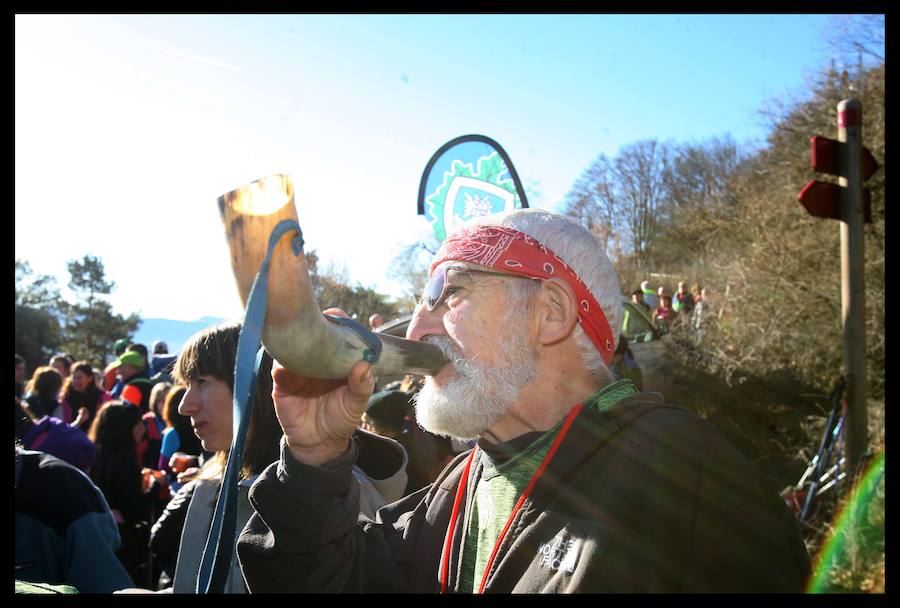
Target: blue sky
[129, 127]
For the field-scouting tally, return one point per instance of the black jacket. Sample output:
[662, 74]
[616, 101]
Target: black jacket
[165, 535]
[643, 496]
[119, 478]
[65, 533]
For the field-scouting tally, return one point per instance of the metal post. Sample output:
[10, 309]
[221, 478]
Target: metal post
[853, 303]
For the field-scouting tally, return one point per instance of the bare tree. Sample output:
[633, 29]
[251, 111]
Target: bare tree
[623, 198]
[698, 186]
[698, 174]
[410, 267]
[854, 35]
[640, 169]
[592, 201]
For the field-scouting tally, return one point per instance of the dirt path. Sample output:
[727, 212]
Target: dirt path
[762, 418]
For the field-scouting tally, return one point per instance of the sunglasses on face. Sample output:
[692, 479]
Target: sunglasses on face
[435, 291]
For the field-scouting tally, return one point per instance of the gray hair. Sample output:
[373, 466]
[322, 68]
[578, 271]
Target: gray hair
[584, 254]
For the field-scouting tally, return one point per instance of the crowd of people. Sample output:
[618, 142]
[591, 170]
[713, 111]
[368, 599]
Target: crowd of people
[531, 462]
[689, 308]
[120, 432]
[152, 439]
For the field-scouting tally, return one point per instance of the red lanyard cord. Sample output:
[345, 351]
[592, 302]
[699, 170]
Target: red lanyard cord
[461, 489]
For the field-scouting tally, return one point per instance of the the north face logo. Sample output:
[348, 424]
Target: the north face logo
[560, 553]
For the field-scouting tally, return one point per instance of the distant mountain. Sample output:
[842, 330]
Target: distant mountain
[173, 333]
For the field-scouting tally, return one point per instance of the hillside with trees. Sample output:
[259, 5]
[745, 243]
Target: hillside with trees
[726, 215]
[730, 218]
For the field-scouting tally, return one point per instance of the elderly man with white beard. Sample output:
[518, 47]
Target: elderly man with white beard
[576, 483]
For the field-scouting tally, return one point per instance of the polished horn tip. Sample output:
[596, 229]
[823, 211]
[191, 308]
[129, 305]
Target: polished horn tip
[295, 332]
[261, 197]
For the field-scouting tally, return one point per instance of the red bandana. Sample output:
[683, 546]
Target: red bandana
[509, 250]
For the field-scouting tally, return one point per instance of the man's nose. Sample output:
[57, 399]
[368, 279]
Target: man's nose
[425, 322]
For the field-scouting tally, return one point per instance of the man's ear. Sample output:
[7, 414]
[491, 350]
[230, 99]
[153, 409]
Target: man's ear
[557, 311]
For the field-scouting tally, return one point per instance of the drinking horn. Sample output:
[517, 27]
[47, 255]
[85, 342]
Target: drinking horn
[295, 332]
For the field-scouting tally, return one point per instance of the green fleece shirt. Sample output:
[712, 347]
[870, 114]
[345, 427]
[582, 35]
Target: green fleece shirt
[500, 484]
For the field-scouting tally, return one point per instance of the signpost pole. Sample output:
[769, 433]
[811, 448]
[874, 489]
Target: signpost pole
[852, 278]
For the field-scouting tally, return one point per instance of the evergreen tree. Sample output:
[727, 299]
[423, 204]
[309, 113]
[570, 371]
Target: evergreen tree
[91, 327]
[37, 329]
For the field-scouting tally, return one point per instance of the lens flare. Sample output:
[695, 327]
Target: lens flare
[834, 550]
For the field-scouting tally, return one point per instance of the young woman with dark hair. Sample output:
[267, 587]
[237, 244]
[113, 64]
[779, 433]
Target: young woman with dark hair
[80, 391]
[663, 312]
[206, 367]
[115, 432]
[42, 395]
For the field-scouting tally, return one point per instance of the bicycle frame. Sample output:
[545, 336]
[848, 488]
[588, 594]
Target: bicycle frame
[820, 467]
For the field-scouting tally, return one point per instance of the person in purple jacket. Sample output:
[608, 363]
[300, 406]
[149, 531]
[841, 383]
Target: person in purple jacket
[51, 435]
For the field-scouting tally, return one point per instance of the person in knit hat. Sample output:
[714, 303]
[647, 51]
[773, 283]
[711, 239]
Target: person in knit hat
[389, 415]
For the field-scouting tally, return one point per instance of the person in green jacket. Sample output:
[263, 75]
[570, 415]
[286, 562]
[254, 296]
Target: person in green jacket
[651, 298]
[683, 301]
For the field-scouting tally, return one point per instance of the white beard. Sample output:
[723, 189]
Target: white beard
[480, 394]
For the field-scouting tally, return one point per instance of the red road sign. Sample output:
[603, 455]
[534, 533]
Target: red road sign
[826, 157]
[825, 154]
[869, 164]
[821, 199]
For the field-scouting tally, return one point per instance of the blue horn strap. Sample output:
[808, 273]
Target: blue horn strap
[217, 554]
